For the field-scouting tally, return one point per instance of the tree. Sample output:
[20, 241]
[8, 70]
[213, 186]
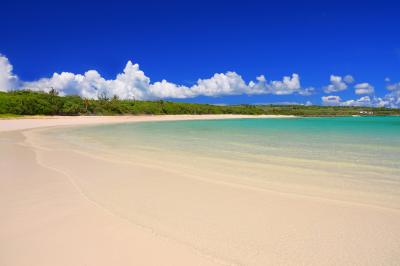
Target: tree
[86, 104]
[102, 96]
[53, 92]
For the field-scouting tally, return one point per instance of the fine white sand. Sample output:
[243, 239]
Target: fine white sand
[64, 206]
[51, 121]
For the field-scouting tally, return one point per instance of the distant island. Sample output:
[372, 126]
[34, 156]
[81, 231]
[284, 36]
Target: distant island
[19, 103]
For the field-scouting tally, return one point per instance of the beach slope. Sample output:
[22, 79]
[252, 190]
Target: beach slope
[61, 206]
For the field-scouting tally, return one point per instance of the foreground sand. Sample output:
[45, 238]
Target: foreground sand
[62, 206]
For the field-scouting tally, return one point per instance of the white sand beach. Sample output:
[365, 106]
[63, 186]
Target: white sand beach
[52, 121]
[63, 206]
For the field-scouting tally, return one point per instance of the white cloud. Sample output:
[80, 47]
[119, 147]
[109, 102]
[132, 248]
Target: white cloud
[364, 88]
[308, 103]
[133, 83]
[288, 85]
[363, 101]
[393, 97]
[8, 80]
[331, 100]
[394, 87]
[368, 101]
[307, 91]
[338, 83]
[348, 79]
[230, 83]
[165, 89]
[220, 84]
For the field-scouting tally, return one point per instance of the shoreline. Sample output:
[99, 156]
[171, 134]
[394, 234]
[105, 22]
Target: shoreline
[24, 123]
[47, 219]
[30, 122]
[66, 207]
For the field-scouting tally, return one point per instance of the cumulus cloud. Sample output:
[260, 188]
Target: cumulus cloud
[348, 79]
[338, 83]
[331, 100]
[393, 97]
[366, 101]
[220, 84]
[288, 85]
[393, 87]
[132, 83]
[230, 83]
[364, 88]
[8, 80]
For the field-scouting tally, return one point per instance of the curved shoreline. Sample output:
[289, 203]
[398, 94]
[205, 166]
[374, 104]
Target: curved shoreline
[84, 210]
[48, 220]
[38, 141]
[52, 121]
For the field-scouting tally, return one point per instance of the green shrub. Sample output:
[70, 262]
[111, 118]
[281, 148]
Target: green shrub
[40, 103]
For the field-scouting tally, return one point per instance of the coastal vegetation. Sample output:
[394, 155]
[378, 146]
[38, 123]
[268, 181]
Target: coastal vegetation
[17, 103]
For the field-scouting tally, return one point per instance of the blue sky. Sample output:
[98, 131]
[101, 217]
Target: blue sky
[183, 41]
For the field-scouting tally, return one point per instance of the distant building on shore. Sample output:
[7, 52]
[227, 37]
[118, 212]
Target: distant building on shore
[362, 112]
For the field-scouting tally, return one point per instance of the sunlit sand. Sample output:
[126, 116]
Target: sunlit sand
[65, 205]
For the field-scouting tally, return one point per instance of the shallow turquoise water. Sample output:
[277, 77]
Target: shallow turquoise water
[359, 158]
[349, 158]
[360, 140]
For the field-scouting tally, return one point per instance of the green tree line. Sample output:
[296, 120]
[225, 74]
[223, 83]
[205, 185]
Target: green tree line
[41, 103]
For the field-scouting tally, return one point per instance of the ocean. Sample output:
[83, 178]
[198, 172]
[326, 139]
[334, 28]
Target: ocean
[343, 158]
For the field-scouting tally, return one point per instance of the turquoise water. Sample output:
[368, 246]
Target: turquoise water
[360, 140]
[240, 183]
[346, 158]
